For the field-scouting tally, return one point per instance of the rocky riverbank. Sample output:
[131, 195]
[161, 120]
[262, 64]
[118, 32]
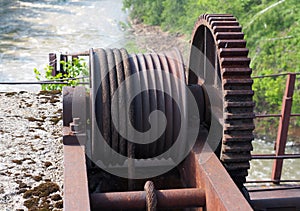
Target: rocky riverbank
[152, 39]
[31, 156]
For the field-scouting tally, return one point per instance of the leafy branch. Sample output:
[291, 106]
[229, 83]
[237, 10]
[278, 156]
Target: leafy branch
[73, 72]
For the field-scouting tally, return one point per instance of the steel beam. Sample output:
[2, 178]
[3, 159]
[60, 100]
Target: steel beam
[283, 125]
[174, 198]
[202, 169]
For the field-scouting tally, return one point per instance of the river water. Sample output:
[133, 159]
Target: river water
[262, 169]
[30, 29]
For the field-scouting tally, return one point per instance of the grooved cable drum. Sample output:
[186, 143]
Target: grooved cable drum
[218, 69]
[110, 70]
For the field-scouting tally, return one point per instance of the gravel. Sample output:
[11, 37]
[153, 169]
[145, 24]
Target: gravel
[31, 151]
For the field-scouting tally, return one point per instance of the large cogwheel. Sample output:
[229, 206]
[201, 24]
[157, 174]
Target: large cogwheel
[220, 59]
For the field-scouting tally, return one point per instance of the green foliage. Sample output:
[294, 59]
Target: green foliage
[271, 29]
[71, 71]
[268, 93]
[172, 7]
[148, 11]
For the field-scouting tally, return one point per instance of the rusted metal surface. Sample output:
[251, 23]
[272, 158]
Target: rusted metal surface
[272, 115]
[274, 156]
[149, 69]
[283, 126]
[284, 196]
[63, 58]
[174, 198]
[74, 105]
[208, 185]
[53, 63]
[282, 132]
[275, 188]
[67, 105]
[271, 181]
[202, 169]
[276, 199]
[218, 42]
[70, 138]
[267, 115]
[77, 54]
[76, 194]
[273, 75]
[53, 60]
[32, 82]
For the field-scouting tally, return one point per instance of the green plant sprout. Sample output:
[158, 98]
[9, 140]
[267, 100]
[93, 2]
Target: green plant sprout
[73, 73]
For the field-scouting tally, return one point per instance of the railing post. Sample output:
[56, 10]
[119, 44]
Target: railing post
[64, 58]
[53, 63]
[283, 126]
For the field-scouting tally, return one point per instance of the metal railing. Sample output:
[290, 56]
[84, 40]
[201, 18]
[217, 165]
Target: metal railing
[282, 132]
[57, 67]
[54, 61]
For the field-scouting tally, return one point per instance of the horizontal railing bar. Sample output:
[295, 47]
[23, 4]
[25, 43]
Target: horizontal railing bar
[84, 53]
[273, 115]
[267, 115]
[37, 83]
[274, 189]
[273, 156]
[274, 75]
[69, 79]
[56, 81]
[272, 181]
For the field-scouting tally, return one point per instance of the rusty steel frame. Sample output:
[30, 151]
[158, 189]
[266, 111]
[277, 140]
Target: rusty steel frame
[283, 125]
[270, 181]
[273, 115]
[76, 193]
[274, 75]
[280, 197]
[275, 199]
[63, 57]
[274, 156]
[52, 63]
[208, 184]
[219, 38]
[173, 198]
[202, 169]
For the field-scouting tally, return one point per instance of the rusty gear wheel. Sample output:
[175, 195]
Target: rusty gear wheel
[218, 42]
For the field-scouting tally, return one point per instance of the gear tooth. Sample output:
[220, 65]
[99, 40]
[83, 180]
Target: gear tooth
[235, 76]
[235, 62]
[229, 35]
[232, 71]
[227, 29]
[233, 52]
[218, 18]
[224, 23]
[231, 43]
